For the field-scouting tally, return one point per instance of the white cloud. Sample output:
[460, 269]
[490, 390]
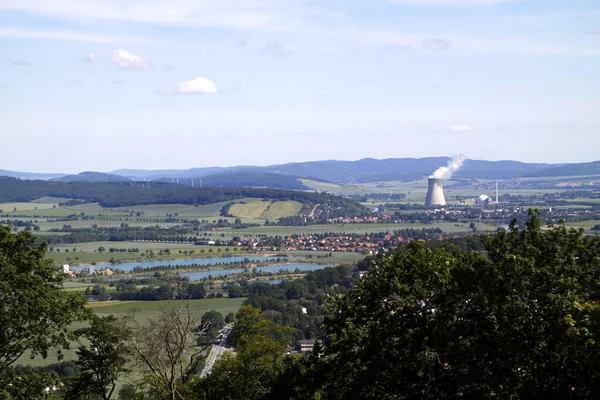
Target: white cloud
[247, 14]
[436, 44]
[198, 85]
[126, 60]
[275, 49]
[462, 128]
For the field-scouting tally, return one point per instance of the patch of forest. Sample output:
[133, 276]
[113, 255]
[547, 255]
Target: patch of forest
[122, 194]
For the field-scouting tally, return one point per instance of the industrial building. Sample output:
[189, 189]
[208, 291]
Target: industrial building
[435, 193]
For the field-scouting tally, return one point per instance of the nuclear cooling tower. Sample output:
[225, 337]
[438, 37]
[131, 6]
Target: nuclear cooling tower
[435, 193]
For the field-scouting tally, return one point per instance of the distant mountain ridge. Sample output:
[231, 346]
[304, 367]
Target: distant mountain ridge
[91, 176]
[29, 175]
[287, 176]
[244, 179]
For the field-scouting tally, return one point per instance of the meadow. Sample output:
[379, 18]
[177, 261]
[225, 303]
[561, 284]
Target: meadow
[145, 311]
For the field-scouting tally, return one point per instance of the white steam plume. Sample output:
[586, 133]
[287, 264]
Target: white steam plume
[453, 165]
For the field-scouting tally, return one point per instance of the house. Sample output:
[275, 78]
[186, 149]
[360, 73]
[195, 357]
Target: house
[307, 345]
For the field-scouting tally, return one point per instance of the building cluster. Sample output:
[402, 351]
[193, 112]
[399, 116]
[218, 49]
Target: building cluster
[371, 219]
[87, 270]
[352, 243]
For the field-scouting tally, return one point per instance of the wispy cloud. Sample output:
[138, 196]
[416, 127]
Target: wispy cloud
[595, 32]
[126, 60]
[248, 14]
[436, 44]
[198, 85]
[24, 63]
[275, 49]
[64, 35]
[462, 128]
[452, 3]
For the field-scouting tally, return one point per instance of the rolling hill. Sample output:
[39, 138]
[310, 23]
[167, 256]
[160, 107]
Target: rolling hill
[243, 178]
[288, 176]
[592, 168]
[90, 176]
[28, 175]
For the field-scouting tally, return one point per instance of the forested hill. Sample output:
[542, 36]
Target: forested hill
[120, 194]
[91, 176]
[582, 169]
[247, 178]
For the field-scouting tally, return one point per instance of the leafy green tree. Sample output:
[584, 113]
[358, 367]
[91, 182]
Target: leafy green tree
[520, 322]
[250, 374]
[214, 320]
[34, 386]
[103, 357]
[36, 312]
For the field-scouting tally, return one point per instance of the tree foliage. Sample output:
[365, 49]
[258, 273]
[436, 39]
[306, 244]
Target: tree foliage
[250, 374]
[35, 311]
[103, 357]
[519, 322]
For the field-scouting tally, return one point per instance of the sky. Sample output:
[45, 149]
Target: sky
[154, 84]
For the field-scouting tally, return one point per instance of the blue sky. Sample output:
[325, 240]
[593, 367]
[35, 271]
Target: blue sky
[107, 84]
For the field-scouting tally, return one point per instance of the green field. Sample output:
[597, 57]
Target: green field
[147, 310]
[83, 253]
[265, 209]
[10, 207]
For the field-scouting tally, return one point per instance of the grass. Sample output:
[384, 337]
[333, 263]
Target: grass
[279, 209]
[223, 305]
[261, 210]
[147, 311]
[249, 210]
[10, 207]
[88, 252]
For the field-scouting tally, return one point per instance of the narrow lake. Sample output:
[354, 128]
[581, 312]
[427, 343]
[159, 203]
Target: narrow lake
[128, 267]
[196, 276]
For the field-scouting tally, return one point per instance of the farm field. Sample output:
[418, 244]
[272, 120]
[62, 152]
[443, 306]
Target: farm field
[265, 209]
[18, 207]
[147, 311]
[83, 253]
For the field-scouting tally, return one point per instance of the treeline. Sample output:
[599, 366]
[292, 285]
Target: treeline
[377, 197]
[121, 194]
[161, 287]
[297, 303]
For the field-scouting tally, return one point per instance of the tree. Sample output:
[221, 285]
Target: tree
[260, 345]
[36, 312]
[520, 322]
[473, 227]
[166, 349]
[103, 357]
[214, 320]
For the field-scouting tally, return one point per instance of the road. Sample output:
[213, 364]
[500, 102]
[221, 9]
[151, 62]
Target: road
[217, 350]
